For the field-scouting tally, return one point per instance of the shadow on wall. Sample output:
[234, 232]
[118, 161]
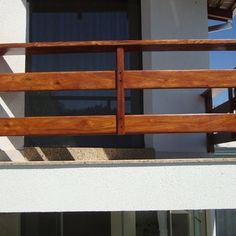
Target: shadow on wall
[24, 2]
[4, 67]
[8, 145]
[9, 101]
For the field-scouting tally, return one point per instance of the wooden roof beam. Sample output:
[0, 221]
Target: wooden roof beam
[219, 14]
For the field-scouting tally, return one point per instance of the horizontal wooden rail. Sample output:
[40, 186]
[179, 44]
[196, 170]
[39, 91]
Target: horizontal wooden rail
[46, 81]
[119, 80]
[111, 46]
[162, 79]
[134, 124]
[180, 79]
[58, 125]
[190, 123]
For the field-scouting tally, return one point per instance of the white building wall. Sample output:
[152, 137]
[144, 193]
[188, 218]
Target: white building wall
[171, 19]
[124, 187]
[13, 29]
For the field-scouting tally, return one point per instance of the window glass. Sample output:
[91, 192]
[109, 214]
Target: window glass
[79, 21]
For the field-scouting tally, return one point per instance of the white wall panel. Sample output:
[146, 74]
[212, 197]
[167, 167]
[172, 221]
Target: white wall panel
[133, 187]
[171, 19]
[13, 18]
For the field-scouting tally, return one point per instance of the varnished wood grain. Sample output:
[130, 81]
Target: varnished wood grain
[190, 123]
[106, 80]
[70, 125]
[208, 108]
[231, 101]
[47, 81]
[109, 46]
[120, 66]
[180, 79]
[135, 124]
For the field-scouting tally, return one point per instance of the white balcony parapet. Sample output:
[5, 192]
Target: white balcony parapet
[118, 185]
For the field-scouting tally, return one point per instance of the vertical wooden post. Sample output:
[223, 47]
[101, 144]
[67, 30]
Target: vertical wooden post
[230, 97]
[208, 107]
[231, 106]
[120, 92]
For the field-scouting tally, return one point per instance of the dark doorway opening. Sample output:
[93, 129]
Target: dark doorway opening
[66, 224]
[72, 20]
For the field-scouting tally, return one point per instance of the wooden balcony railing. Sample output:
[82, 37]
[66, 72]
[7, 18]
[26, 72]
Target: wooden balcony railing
[228, 106]
[118, 80]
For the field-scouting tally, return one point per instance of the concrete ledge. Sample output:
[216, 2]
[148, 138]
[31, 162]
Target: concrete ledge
[104, 163]
[124, 186]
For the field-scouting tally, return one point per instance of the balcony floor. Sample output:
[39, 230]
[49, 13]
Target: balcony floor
[72, 155]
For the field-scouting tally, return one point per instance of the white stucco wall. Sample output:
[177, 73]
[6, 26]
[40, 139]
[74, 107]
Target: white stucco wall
[117, 187]
[13, 29]
[170, 19]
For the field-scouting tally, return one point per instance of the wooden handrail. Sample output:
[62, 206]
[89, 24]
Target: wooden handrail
[111, 46]
[118, 80]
